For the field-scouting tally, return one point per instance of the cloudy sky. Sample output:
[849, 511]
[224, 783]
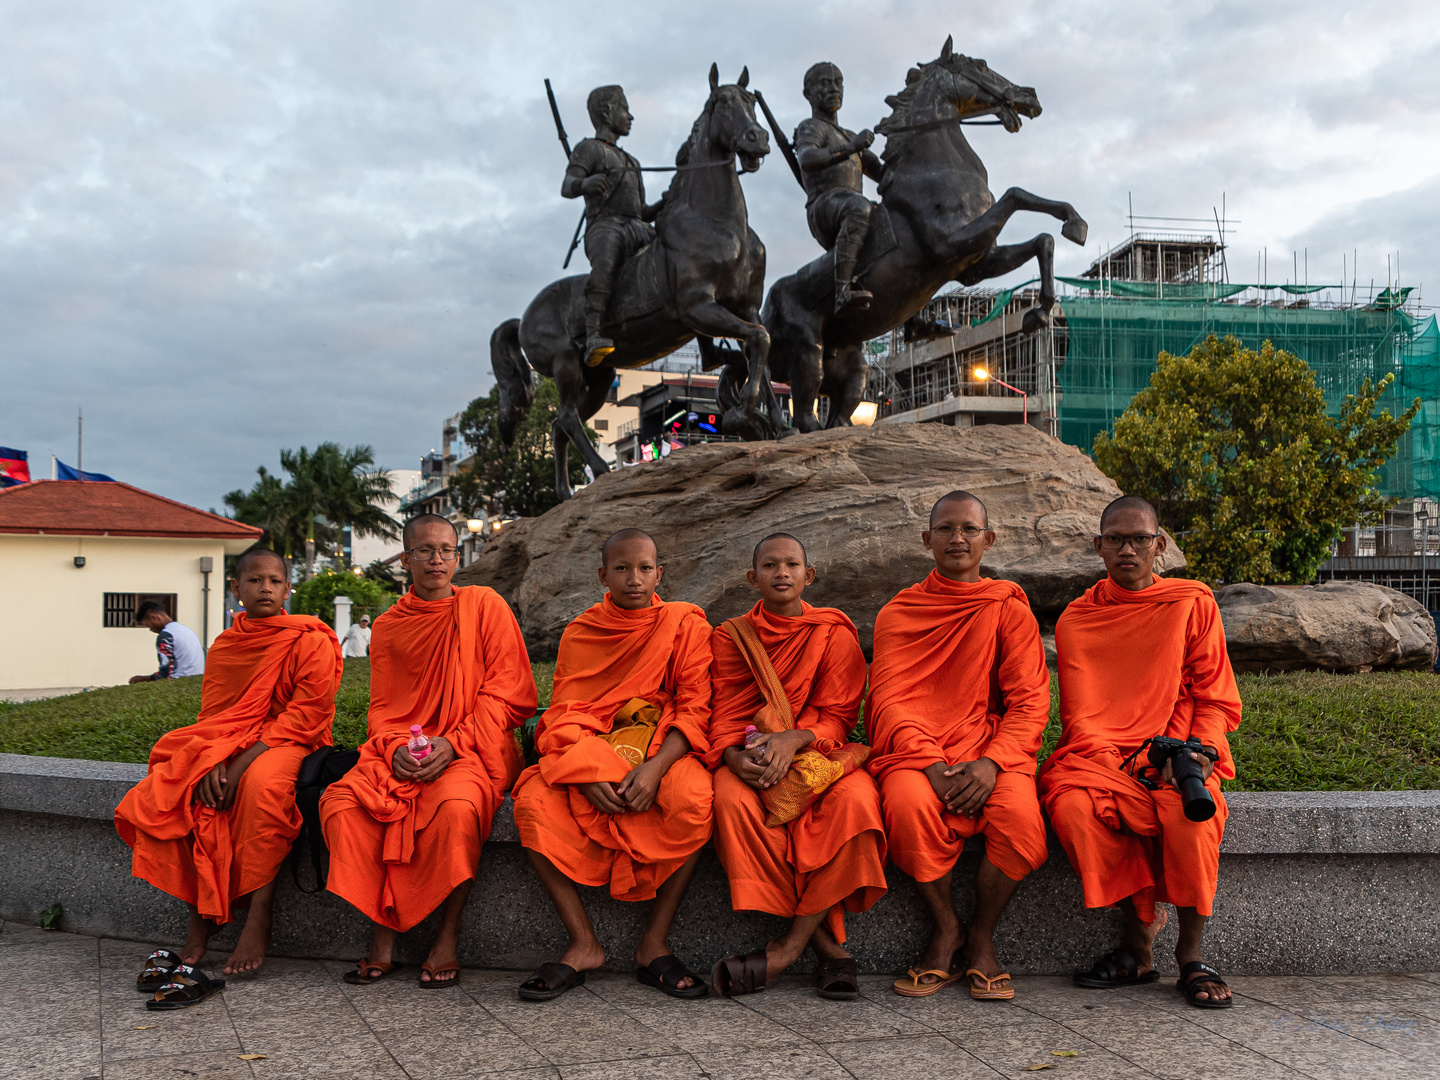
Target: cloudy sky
[227, 228]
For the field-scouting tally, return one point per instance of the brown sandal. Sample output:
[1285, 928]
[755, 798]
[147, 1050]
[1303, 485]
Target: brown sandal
[361, 975]
[736, 975]
[989, 992]
[433, 983]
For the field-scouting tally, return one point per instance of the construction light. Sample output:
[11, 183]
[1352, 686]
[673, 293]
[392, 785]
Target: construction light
[981, 374]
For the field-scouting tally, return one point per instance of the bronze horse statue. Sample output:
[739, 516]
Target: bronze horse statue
[703, 274]
[941, 224]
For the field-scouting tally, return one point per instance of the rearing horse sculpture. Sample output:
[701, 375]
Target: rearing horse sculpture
[704, 274]
[942, 226]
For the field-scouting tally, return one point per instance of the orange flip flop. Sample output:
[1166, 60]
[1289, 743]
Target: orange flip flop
[911, 986]
[990, 993]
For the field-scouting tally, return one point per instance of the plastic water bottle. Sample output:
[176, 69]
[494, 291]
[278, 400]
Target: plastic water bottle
[751, 734]
[419, 745]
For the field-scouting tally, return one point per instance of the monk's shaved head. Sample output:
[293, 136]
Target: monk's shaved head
[261, 553]
[959, 497]
[755, 555]
[415, 523]
[1130, 502]
[624, 536]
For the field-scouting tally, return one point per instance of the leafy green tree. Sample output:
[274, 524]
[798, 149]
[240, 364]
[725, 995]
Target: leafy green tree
[519, 479]
[269, 505]
[1244, 464]
[334, 487]
[383, 574]
[317, 595]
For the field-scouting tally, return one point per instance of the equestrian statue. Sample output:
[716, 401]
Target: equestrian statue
[699, 272]
[936, 222]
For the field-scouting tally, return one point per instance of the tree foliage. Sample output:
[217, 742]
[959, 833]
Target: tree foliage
[518, 479]
[327, 489]
[1237, 451]
[317, 596]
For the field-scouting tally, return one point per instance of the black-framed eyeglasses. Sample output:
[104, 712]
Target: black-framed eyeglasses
[429, 554]
[969, 532]
[1138, 541]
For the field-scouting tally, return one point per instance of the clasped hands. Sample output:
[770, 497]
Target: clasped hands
[406, 768]
[764, 763]
[636, 793]
[964, 786]
[218, 787]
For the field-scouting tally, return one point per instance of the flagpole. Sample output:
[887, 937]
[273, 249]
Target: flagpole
[80, 443]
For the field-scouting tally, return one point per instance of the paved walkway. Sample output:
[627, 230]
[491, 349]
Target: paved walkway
[69, 1010]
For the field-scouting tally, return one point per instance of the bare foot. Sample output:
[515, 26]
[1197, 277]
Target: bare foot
[979, 953]
[1139, 939]
[940, 955]
[197, 938]
[584, 956]
[254, 941]
[646, 954]
[825, 945]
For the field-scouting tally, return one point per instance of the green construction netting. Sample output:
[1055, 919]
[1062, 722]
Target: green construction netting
[1112, 343]
[1198, 290]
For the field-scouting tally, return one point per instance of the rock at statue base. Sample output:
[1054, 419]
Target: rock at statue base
[1343, 626]
[858, 498]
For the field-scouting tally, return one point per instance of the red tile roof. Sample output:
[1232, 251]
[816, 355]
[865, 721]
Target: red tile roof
[93, 508]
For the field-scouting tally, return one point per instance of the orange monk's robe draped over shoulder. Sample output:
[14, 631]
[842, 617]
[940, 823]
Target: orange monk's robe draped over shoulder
[266, 680]
[1134, 665]
[832, 857]
[607, 656]
[959, 674]
[458, 668]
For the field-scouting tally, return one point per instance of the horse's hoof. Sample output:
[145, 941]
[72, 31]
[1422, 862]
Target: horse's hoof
[1076, 230]
[1035, 319]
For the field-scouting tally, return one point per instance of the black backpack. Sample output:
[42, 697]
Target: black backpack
[317, 772]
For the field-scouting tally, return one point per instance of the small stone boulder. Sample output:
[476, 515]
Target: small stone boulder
[1344, 626]
[858, 497]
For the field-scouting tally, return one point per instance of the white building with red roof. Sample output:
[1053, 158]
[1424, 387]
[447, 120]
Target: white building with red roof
[76, 557]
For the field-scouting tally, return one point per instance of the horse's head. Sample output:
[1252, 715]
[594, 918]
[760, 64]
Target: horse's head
[731, 129]
[958, 86]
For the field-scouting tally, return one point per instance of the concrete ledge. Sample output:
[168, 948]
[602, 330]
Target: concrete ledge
[1310, 882]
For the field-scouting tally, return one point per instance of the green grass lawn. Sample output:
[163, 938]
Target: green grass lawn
[1303, 730]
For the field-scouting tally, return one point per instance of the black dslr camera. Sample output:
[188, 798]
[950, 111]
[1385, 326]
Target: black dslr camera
[1199, 806]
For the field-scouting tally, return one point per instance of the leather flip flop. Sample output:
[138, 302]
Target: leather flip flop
[433, 983]
[989, 992]
[360, 976]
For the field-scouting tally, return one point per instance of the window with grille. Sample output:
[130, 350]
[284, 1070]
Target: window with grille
[600, 425]
[120, 606]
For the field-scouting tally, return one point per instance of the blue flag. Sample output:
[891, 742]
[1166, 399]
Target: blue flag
[65, 472]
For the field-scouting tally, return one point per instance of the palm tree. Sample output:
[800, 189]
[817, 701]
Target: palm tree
[332, 488]
[269, 505]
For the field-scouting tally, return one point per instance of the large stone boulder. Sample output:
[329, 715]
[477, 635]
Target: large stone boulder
[859, 499]
[1334, 626]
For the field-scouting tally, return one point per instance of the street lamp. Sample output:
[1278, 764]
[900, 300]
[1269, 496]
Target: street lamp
[983, 375]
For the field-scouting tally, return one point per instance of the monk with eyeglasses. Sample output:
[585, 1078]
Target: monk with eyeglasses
[959, 695]
[1142, 656]
[405, 828]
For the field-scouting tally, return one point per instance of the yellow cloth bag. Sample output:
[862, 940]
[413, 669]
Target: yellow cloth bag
[633, 730]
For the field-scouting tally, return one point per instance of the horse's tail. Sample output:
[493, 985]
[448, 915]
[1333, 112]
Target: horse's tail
[514, 376]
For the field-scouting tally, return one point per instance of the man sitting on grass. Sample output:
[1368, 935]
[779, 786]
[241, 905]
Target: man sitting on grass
[215, 815]
[1141, 656]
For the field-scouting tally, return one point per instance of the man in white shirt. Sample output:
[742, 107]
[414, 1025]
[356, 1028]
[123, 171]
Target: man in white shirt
[357, 640]
[180, 651]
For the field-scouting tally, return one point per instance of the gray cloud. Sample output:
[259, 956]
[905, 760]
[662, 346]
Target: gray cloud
[227, 228]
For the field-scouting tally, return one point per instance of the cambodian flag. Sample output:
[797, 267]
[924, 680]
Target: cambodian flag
[14, 467]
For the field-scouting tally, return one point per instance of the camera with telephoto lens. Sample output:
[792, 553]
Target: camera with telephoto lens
[1189, 776]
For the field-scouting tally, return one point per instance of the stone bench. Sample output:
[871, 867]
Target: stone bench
[1310, 882]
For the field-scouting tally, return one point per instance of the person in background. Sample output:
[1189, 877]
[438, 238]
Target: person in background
[180, 651]
[357, 639]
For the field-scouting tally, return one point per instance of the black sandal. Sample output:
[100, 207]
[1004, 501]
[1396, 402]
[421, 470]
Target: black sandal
[187, 986]
[1115, 968]
[737, 975]
[838, 980]
[158, 966]
[550, 981]
[664, 974]
[1208, 977]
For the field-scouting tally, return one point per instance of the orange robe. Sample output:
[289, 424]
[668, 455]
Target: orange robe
[1134, 665]
[458, 668]
[607, 656]
[266, 680]
[959, 674]
[831, 857]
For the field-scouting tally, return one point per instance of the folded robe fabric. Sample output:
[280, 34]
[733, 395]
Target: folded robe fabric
[1134, 665]
[609, 656]
[266, 680]
[958, 674]
[831, 857]
[458, 668]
